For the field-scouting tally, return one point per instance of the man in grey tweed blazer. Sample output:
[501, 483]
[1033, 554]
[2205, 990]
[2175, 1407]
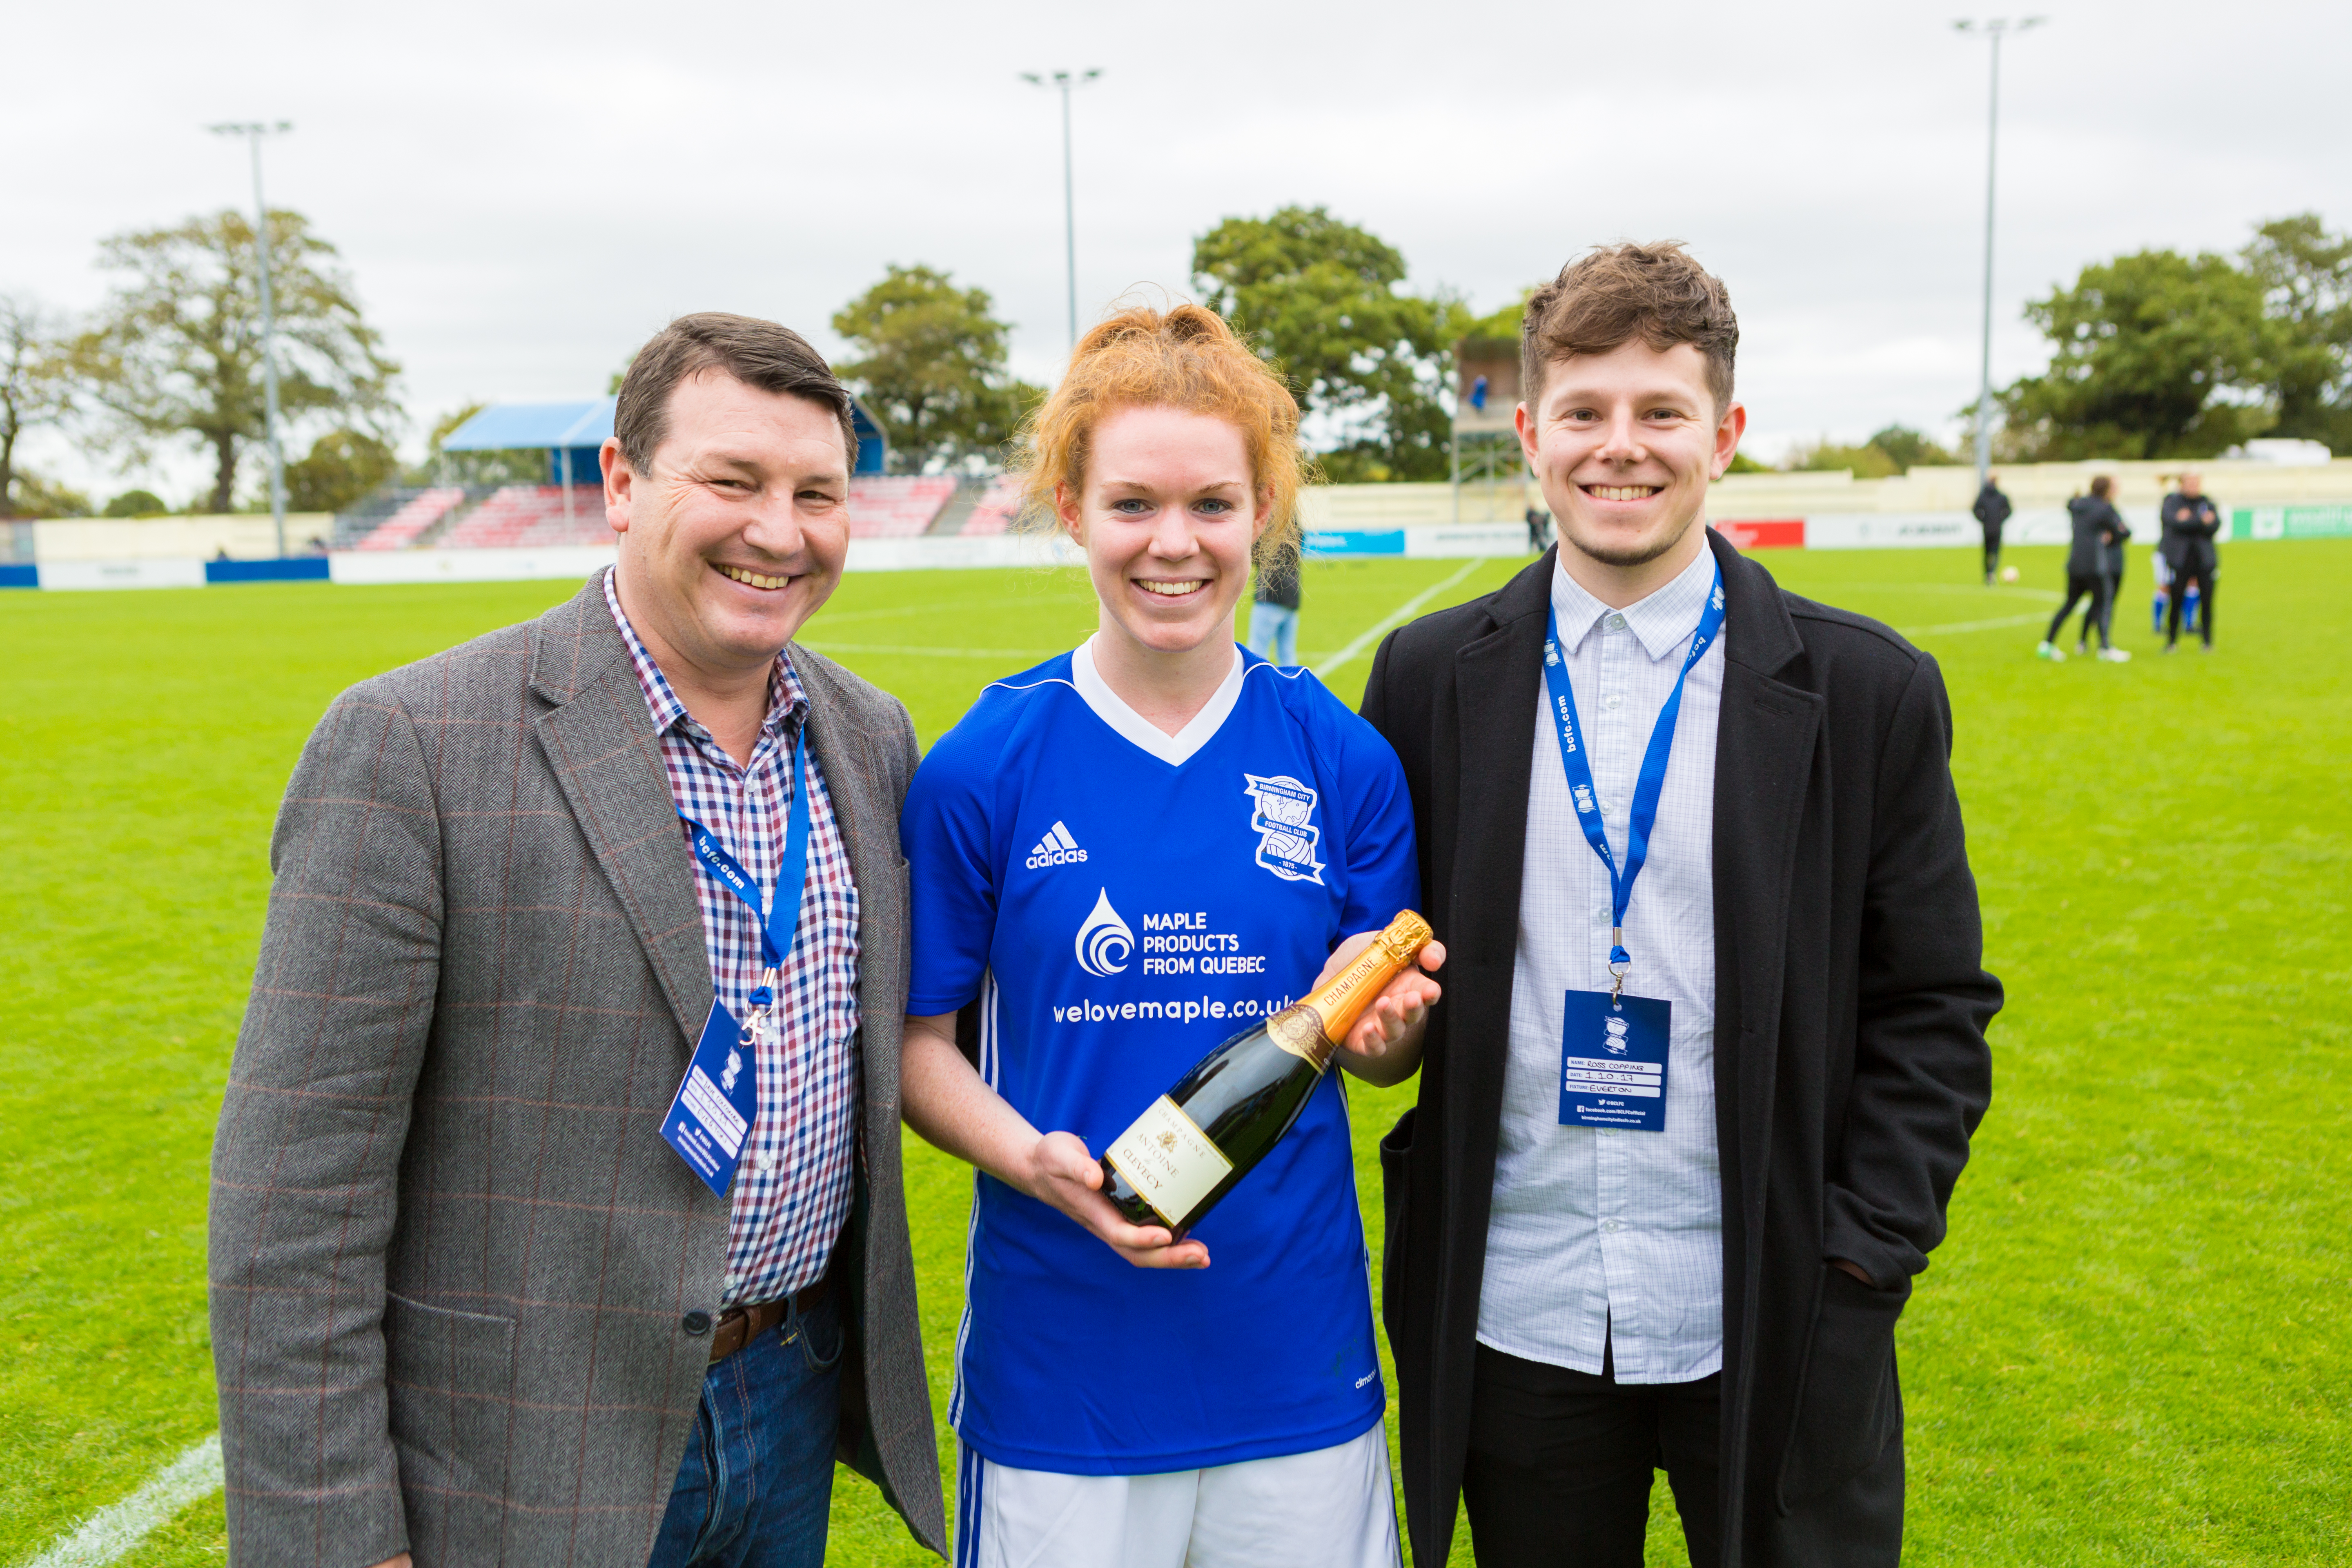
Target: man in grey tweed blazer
[467, 1305]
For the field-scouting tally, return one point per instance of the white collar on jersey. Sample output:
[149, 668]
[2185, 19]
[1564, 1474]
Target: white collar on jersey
[1174, 749]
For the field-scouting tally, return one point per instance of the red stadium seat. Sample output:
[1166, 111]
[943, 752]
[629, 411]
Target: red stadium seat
[998, 506]
[895, 506]
[881, 506]
[420, 512]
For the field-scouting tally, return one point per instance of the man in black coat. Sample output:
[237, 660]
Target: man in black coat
[2191, 524]
[1805, 916]
[1992, 510]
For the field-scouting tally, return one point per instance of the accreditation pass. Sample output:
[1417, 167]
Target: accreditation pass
[1612, 1061]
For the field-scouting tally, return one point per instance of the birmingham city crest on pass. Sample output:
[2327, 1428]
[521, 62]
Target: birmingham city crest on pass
[1284, 821]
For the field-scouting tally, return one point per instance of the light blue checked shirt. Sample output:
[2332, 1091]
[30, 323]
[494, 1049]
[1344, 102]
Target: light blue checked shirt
[791, 1192]
[1600, 1236]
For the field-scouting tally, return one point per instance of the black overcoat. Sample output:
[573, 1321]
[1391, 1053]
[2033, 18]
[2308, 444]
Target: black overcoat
[1850, 1058]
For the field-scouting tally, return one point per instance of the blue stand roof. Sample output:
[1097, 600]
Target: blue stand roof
[583, 427]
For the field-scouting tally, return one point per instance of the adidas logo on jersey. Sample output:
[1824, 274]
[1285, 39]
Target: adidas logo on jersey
[1056, 848]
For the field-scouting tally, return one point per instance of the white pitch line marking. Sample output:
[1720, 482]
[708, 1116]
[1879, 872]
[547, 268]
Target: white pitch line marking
[120, 1526]
[1968, 626]
[918, 650]
[1403, 612]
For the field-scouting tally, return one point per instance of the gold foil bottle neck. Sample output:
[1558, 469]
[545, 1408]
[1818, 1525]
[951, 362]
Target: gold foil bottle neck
[1405, 937]
[1325, 1017]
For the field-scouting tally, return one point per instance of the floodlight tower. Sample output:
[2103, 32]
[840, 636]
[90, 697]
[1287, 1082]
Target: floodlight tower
[254, 131]
[1992, 28]
[1066, 80]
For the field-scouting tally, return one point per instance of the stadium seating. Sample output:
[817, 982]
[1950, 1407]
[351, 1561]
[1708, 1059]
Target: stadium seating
[532, 516]
[998, 506]
[417, 514]
[895, 506]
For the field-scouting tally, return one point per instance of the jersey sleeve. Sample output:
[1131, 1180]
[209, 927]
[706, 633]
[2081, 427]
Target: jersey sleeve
[1383, 867]
[948, 835]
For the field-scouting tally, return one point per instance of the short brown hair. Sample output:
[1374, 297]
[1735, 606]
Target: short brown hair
[1612, 292]
[1185, 358]
[758, 353]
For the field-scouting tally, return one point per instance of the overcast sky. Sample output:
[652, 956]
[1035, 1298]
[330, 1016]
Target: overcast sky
[524, 192]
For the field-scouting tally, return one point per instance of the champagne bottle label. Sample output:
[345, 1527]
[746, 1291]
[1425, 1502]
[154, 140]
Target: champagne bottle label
[1299, 1030]
[1168, 1160]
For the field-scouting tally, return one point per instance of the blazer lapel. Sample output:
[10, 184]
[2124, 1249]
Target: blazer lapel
[1765, 742]
[846, 759]
[599, 739]
[1495, 681]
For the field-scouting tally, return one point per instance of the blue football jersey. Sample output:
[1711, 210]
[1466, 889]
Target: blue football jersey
[1118, 901]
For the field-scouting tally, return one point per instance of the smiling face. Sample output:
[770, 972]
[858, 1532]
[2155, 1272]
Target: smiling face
[738, 533]
[1625, 444]
[1167, 514]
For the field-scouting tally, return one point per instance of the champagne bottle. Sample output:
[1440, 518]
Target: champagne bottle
[1222, 1118]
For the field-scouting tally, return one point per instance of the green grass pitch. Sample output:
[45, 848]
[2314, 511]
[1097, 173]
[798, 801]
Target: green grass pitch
[2136, 1347]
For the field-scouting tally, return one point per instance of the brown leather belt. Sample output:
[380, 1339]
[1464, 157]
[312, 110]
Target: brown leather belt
[738, 1326]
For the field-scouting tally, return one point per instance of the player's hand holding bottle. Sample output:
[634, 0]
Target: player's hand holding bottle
[1064, 1173]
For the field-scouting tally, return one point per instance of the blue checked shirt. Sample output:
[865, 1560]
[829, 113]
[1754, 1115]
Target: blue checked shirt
[791, 1192]
[1600, 1235]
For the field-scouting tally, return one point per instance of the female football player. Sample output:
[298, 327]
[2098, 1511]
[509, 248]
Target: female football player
[1120, 858]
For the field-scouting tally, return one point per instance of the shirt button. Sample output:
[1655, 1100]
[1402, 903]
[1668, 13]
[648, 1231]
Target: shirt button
[767, 1162]
[1610, 1226]
[1612, 702]
[1616, 623]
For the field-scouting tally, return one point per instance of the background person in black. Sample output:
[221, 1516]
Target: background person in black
[1992, 510]
[2097, 526]
[1273, 608]
[2191, 522]
[2111, 567]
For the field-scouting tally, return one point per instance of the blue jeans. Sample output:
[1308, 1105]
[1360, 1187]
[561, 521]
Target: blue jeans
[1273, 632]
[755, 1489]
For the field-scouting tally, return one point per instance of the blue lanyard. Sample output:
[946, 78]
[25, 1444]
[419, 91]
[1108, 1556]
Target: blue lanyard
[1647, 786]
[779, 922]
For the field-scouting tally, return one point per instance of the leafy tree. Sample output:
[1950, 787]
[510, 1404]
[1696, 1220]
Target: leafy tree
[342, 467]
[177, 350]
[1507, 322]
[1908, 448]
[2305, 274]
[1321, 299]
[1896, 450]
[36, 497]
[2155, 354]
[137, 503]
[1867, 461]
[37, 385]
[931, 367]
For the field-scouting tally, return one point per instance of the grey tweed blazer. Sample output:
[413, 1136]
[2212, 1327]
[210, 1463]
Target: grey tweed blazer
[451, 1256]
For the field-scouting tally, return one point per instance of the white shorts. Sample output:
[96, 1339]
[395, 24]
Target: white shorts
[1332, 1507]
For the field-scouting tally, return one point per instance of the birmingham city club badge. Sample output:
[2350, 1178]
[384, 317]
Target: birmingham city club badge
[1284, 822]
